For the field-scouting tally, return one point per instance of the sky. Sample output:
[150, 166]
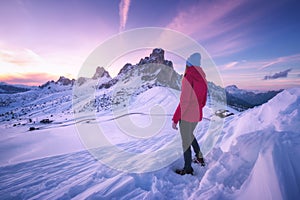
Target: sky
[254, 44]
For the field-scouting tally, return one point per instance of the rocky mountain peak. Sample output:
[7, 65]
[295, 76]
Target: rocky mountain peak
[65, 81]
[100, 72]
[157, 56]
[152, 71]
[125, 68]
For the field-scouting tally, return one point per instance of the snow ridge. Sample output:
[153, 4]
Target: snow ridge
[257, 160]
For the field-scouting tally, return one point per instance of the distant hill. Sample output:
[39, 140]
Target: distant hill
[244, 99]
[6, 88]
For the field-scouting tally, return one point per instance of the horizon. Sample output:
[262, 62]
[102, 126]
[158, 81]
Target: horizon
[90, 77]
[255, 45]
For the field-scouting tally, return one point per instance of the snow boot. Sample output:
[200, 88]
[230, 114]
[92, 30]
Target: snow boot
[184, 172]
[200, 161]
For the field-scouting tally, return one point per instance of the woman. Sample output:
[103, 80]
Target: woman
[189, 111]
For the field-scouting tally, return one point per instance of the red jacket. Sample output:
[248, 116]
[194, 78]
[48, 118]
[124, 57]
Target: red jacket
[193, 96]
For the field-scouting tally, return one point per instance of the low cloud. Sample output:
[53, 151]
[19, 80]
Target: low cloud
[282, 74]
[28, 78]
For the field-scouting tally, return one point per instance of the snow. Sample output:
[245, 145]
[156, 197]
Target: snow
[280, 113]
[261, 185]
[254, 157]
[26, 146]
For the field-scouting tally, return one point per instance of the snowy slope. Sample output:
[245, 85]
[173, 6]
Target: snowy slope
[255, 157]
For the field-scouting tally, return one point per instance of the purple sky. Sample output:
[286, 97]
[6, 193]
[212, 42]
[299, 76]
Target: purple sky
[248, 40]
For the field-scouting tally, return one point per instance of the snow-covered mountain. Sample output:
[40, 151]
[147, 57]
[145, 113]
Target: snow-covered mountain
[244, 99]
[49, 99]
[255, 157]
[150, 71]
[106, 93]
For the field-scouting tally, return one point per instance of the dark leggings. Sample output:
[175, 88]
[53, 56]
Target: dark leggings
[188, 139]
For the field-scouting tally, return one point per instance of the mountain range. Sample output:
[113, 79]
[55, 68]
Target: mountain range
[250, 155]
[131, 80]
[244, 99]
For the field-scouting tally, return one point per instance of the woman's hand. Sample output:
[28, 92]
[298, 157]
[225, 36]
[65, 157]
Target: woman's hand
[174, 126]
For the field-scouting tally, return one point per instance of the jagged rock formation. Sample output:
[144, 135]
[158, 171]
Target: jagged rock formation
[65, 81]
[152, 71]
[157, 56]
[100, 72]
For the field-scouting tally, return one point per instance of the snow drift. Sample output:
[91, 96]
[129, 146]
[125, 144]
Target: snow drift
[255, 157]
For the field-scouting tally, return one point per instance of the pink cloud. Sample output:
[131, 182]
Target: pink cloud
[27, 78]
[250, 74]
[21, 61]
[230, 65]
[260, 65]
[213, 24]
[123, 13]
[283, 59]
[205, 22]
[204, 18]
[19, 57]
[228, 45]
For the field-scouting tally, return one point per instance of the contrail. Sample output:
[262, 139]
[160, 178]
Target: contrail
[123, 13]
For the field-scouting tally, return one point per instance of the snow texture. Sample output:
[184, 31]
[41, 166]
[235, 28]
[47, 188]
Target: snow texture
[256, 156]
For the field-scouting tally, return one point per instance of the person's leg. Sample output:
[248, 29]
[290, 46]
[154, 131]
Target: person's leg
[187, 139]
[195, 142]
[188, 160]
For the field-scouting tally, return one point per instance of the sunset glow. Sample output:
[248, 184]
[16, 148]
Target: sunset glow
[248, 40]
